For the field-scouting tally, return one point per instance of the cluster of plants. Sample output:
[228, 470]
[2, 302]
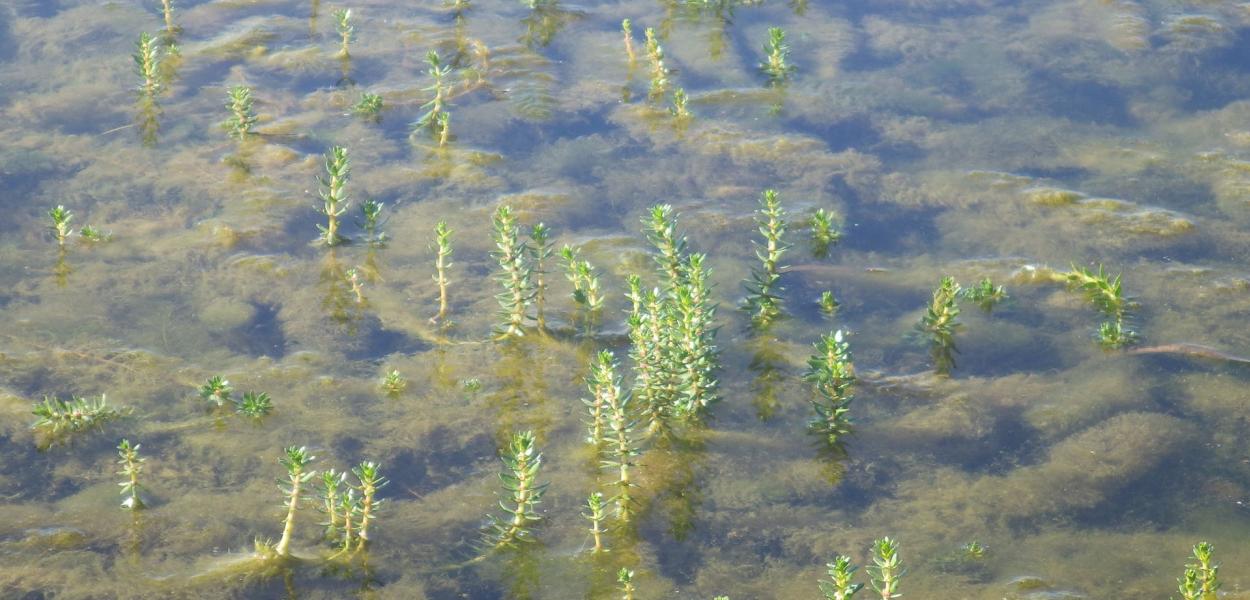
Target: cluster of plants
[218, 393]
[939, 323]
[1106, 295]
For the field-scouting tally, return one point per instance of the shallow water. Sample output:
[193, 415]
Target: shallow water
[970, 138]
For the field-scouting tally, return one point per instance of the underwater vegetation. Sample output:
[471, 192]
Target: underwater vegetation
[132, 465]
[939, 325]
[521, 495]
[776, 63]
[242, 119]
[334, 195]
[763, 289]
[58, 419]
[1105, 293]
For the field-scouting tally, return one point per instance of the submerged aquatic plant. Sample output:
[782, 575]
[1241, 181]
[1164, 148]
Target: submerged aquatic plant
[132, 466]
[393, 383]
[595, 514]
[168, 10]
[369, 481]
[659, 73]
[369, 106]
[939, 325]
[147, 59]
[661, 229]
[347, 31]
[522, 492]
[625, 577]
[256, 405]
[679, 109]
[611, 410]
[334, 194]
[442, 262]
[823, 232]
[973, 550]
[651, 348]
[296, 461]
[841, 584]
[372, 222]
[540, 252]
[60, 228]
[776, 63]
[91, 233]
[627, 29]
[584, 278]
[763, 290]
[832, 373]
[985, 294]
[886, 570]
[828, 304]
[59, 417]
[515, 276]
[352, 276]
[439, 87]
[239, 103]
[695, 354]
[444, 128]
[1107, 295]
[217, 390]
[1200, 580]
[331, 482]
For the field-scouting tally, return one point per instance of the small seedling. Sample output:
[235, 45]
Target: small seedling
[595, 514]
[973, 550]
[217, 390]
[777, 54]
[841, 584]
[347, 31]
[90, 233]
[442, 262]
[369, 107]
[471, 386]
[522, 494]
[625, 577]
[763, 289]
[132, 466]
[939, 325]
[886, 569]
[147, 59]
[334, 194]
[627, 29]
[659, 73]
[516, 274]
[541, 252]
[296, 461]
[60, 228]
[828, 304]
[985, 294]
[352, 276]
[372, 222]
[60, 417]
[832, 373]
[823, 232]
[393, 383]
[239, 103]
[256, 405]
[679, 109]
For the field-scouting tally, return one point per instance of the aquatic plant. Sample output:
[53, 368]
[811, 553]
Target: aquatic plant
[334, 194]
[679, 109]
[93, 234]
[832, 373]
[1107, 295]
[939, 325]
[60, 228]
[346, 31]
[442, 262]
[628, 30]
[973, 550]
[444, 128]
[985, 294]
[584, 278]
[823, 232]
[611, 410]
[168, 9]
[596, 514]
[239, 103]
[828, 304]
[599, 382]
[1200, 580]
[59, 417]
[522, 463]
[352, 276]
[696, 355]
[763, 292]
[652, 352]
[540, 252]
[886, 569]
[217, 390]
[147, 59]
[438, 74]
[369, 481]
[777, 54]
[331, 482]
[371, 213]
[132, 466]
[659, 73]
[841, 575]
[625, 577]
[393, 383]
[368, 107]
[661, 230]
[296, 461]
[256, 405]
[515, 276]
